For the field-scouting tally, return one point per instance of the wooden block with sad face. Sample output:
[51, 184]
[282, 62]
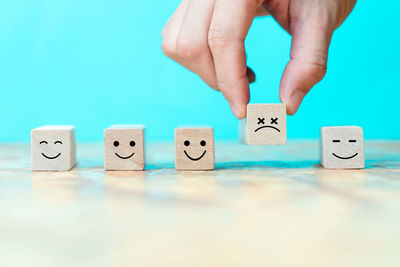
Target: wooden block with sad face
[124, 148]
[265, 125]
[194, 148]
[53, 148]
[342, 147]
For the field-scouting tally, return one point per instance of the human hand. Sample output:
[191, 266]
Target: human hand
[207, 37]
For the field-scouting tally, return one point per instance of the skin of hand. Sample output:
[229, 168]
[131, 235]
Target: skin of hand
[207, 37]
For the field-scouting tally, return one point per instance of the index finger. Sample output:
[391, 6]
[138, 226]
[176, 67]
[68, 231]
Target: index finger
[229, 27]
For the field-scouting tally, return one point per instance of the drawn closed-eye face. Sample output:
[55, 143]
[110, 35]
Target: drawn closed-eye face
[194, 157]
[117, 144]
[273, 124]
[342, 147]
[343, 142]
[43, 142]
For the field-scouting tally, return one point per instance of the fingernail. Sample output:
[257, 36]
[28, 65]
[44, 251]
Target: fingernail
[294, 101]
[237, 110]
[251, 76]
[284, 98]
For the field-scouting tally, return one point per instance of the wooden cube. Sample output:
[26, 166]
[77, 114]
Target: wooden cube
[124, 148]
[342, 147]
[194, 148]
[265, 125]
[53, 148]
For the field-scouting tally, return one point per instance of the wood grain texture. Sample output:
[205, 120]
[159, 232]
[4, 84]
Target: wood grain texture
[53, 148]
[342, 147]
[124, 148]
[261, 206]
[265, 125]
[194, 148]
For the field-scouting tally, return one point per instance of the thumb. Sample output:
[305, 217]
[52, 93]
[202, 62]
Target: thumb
[307, 65]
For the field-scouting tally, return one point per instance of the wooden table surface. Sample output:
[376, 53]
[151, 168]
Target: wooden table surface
[262, 206]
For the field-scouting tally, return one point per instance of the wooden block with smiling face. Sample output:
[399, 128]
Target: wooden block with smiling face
[342, 147]
[265, 125]
[53, 148]
[124, 148]
[194, 148]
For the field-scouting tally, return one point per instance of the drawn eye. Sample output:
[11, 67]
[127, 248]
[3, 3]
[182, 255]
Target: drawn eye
[274, 120]
[352, 141]
[261, 121]
[186, 143]
[336, 141]
[58, 142]
[116, 143]
[43, 142]
[132, 143]
[203, 143]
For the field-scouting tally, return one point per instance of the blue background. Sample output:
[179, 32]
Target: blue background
[96, 63]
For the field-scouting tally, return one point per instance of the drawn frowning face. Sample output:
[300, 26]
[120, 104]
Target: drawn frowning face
[266, 124]
[263, 125]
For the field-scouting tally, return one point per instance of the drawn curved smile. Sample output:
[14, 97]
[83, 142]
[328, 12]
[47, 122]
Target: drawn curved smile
[195, 159]
[121, 157]
[47, 157]
[259, 128]
[339, 157]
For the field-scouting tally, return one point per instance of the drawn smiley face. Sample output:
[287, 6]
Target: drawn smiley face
[187, 144]
[53, 148]
[58, 142]
[194, 148]
[124, 148]
[342, 147]
[132, 143]
[344, 157]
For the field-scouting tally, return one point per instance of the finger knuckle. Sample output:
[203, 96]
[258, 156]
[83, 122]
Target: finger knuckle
[189, 49]
[316, 65]
[225, 86]
[217, 37]
[223, 83]
[212, 84]
[315, 71]
[168, 48]
[317, 68]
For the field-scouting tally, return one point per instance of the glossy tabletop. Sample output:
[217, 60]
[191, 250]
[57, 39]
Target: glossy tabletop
[270, 205]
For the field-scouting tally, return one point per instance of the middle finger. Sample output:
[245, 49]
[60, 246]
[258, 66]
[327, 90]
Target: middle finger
[192, 42]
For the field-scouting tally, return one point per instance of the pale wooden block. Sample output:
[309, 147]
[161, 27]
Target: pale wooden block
[124, 148]
[342, 147]
[265, 125]
[194, 148]
[53, 148]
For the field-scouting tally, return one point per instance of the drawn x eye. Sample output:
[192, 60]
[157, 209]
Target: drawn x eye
[274, 120]
[261, 121]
